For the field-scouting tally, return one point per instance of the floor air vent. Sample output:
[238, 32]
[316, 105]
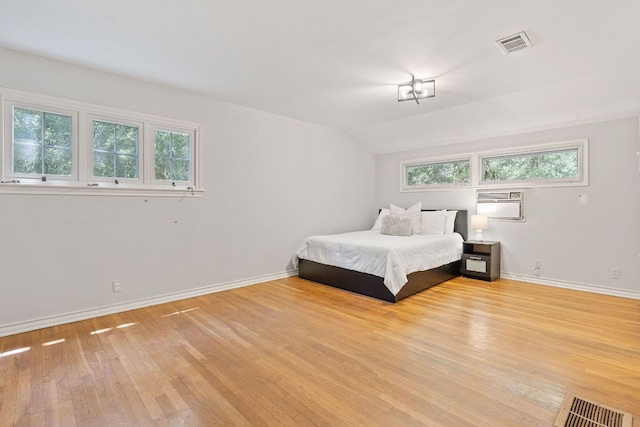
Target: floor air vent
[514, 43]
[579, 412]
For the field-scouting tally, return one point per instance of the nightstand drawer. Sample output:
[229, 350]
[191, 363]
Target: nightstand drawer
[475, 263]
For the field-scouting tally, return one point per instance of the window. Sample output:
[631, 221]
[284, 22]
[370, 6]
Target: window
[115, 150]
[172, 156]
[546, 165]
[58, 146]
[436, 174]
[552, 164]
[39, 142]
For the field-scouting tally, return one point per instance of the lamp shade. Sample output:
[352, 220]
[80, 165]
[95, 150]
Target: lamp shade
[479, 222]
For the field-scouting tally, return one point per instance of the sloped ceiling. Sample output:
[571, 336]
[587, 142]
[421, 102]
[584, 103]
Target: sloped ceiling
[337, 63]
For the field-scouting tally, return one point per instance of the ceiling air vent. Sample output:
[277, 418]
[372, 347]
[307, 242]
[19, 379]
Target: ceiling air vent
[514, 43]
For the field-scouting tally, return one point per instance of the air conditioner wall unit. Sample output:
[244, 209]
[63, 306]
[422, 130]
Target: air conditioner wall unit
[501, 205]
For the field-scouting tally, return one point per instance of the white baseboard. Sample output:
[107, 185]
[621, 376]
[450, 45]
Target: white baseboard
[625, 293]
[60, 319]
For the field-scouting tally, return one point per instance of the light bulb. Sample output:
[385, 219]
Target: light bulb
[417, 87]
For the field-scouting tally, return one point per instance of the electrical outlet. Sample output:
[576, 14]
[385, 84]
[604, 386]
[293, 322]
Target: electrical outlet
[538, 264]
[116, 287]
[615, 273]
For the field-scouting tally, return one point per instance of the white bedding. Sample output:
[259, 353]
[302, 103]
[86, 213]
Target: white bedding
[390, 257]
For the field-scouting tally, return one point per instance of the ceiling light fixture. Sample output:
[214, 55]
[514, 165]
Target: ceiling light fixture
[416, 89]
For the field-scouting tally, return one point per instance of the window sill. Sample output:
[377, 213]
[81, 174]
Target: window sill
[436, 187]
[531, 184]
[99, 190]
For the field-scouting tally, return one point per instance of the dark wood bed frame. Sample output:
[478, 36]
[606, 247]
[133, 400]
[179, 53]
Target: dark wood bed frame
[373, 286]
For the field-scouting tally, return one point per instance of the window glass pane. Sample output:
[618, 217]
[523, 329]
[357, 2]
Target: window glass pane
[57, 161]
[172, 156]
[57, 130]
[556, 164]
[38, 136]
[103, 136]
[180, 170]
[115, 150]
[127, 139]
[163, 143]
[457, 172]
[102, 164]
[27, 158]
[126, 166]
[163, 168]
[27, 126]
[180, 146]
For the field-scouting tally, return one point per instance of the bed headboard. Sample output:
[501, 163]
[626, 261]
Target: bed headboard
[461, 224]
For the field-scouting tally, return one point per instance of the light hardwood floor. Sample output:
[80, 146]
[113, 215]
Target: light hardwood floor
[292, 352]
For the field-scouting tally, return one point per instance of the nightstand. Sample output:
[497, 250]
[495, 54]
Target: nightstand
[481, 259]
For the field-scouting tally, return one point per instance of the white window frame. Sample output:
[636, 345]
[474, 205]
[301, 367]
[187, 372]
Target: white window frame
[82, 181]
[8, 173]
[404, 165]
[475, 168]
[90, 136]
[583, 165]
[152, 135]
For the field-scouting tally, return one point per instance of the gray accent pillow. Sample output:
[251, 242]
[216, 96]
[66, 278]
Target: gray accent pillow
[396, 226]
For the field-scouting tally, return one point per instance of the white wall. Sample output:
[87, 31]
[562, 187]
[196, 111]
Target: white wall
[576, 244]
[270, 181]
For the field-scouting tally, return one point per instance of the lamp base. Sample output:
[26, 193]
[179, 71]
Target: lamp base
[478, 235]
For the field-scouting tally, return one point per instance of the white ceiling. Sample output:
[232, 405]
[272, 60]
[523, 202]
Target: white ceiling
[337, 63]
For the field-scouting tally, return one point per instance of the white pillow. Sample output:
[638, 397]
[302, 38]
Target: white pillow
[396, 226]
[413, 213]
[433, 222]
[378, 224]
[449, 221]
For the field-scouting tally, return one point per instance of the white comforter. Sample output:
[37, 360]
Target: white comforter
[390, 257]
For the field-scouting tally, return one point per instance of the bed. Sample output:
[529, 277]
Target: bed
[313, 267]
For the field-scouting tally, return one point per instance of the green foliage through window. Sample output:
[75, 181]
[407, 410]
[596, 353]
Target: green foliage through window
[444, 173]
[41, 143]
[115, 150]
[544, 165]
[173, 156]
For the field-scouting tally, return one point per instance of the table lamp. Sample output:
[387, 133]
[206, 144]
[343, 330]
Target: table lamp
[479, 223]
